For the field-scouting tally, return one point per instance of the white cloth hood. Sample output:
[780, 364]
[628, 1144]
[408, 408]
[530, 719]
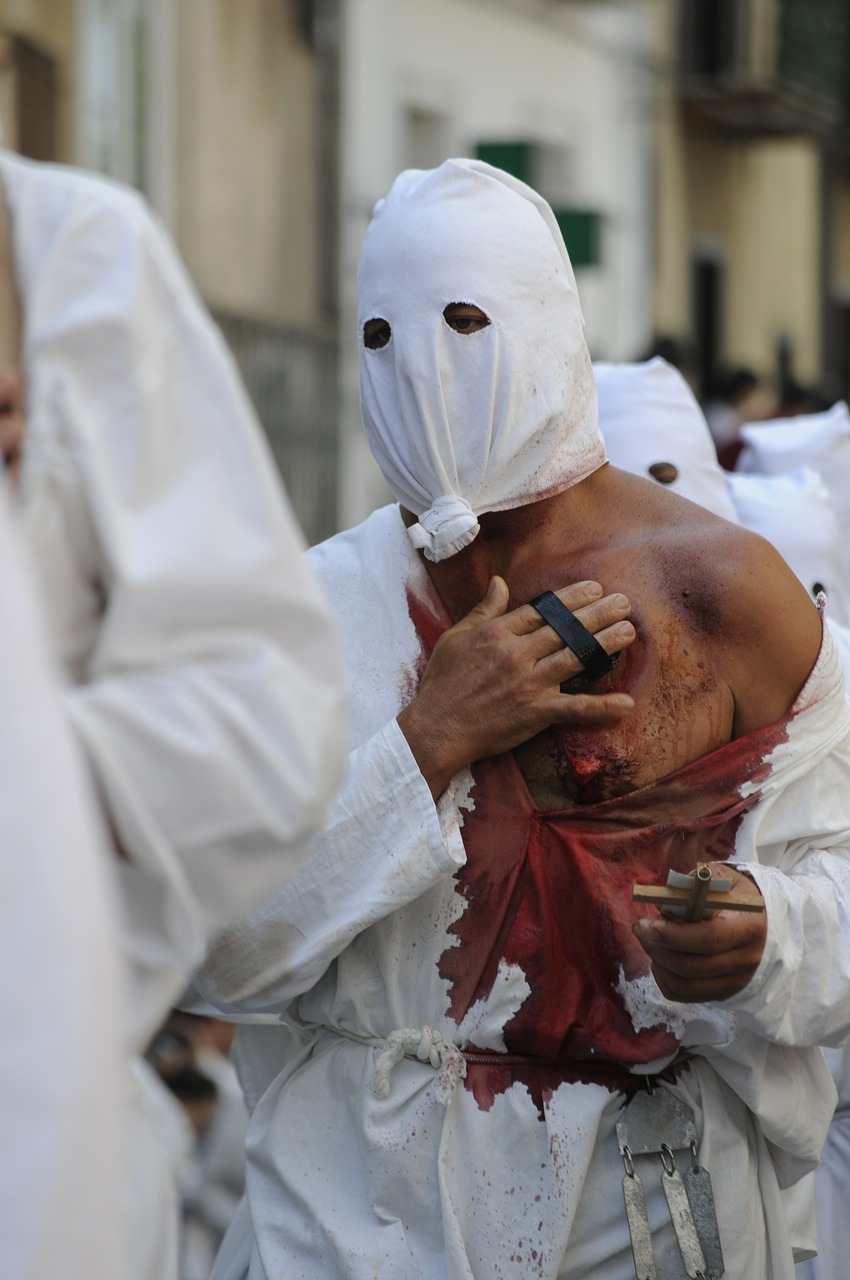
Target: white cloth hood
[794, 511]
[817, 440]
[463, 423]
[649, 415]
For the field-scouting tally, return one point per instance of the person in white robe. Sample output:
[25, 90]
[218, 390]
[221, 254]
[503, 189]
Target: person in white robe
[204, 679]
[61, 1066]
[790, 485]
[815, 441]
[409, 1120]
[653, 426]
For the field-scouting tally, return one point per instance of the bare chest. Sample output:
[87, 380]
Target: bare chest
[683, 710]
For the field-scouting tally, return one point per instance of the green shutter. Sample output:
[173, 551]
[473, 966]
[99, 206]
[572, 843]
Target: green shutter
[582, 232]
[516, 158]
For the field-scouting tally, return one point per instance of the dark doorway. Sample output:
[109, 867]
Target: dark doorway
[707, 311]
[37, 101]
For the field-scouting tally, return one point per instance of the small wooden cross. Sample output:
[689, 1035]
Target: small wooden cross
[698, 898]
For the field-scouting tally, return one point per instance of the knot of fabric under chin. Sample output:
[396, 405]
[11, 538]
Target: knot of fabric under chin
[445, 528]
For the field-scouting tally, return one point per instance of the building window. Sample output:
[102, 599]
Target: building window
[36, 101]
[709, 30]
[114, 88]
[424, 140]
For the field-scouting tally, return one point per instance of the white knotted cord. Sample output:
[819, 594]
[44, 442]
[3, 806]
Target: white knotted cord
[428, 1046]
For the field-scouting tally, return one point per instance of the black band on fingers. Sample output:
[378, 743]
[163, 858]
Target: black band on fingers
[585, 646]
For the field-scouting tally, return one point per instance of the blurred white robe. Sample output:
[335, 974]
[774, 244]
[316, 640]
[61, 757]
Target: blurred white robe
[207, 689]
[61, 1065]
[205, 679]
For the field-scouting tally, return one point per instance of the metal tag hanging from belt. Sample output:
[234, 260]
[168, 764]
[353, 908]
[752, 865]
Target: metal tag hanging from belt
[657, 1123]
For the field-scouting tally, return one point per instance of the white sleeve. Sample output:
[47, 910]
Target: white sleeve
[61, 1097]
[211, 704]
[800, 994]
[795, 844]
[385, 845]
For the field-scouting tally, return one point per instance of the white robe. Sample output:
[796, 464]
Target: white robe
[60, 1065]
[205, 683]
[343, 1183]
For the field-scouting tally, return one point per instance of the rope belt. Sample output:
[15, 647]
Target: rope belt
[424, 1044]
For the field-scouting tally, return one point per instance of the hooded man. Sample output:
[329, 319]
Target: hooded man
[491, 1062]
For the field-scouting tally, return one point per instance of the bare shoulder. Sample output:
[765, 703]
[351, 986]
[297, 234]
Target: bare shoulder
[765, 630]
[773, 627]
[736, 592]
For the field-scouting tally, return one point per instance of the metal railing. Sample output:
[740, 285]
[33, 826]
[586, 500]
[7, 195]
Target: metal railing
[793, 53]
[292, 380]
[814, 44]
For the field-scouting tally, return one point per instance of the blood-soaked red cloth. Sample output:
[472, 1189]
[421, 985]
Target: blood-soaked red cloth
[550, 893]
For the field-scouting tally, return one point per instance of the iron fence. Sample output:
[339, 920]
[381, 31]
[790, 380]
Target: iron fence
[292, 380]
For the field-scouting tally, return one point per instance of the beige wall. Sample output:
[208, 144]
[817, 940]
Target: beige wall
[671, 300]
[774, 264]
[246, 179]
[840, 219]
[232, 136]
[756, 203]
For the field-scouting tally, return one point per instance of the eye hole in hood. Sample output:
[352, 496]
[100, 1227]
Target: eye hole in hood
[465, 317]
[663, 472]
[376, 333]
